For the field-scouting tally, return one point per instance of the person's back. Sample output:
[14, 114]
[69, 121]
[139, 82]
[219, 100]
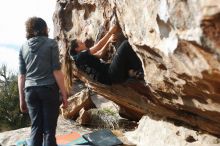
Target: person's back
[90, 64]
[38, 81]
[37, 53]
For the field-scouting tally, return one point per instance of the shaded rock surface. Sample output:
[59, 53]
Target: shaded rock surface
[211, 34]
[178, 55]
[76, 103]
[95, 111]
[104, 118]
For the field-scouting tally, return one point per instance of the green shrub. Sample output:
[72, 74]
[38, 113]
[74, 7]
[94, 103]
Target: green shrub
[10, 115]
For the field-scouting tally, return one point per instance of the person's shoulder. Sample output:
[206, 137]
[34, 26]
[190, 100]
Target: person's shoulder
[24, 46]
[83, 55]
[85, 51]
[51, 42]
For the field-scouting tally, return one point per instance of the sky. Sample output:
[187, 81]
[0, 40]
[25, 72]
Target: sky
[13, 14]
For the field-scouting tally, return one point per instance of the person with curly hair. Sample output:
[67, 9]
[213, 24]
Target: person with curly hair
[39, 81]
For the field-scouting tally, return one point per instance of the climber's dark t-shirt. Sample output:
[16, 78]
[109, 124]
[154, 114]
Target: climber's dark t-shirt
[90, 64]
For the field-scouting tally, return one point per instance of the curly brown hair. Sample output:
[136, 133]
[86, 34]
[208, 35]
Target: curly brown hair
[36, 26]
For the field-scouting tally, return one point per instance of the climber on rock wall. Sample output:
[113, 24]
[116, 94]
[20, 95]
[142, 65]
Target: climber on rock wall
[125, 60]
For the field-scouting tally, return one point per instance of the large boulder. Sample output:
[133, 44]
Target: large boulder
[178, 54]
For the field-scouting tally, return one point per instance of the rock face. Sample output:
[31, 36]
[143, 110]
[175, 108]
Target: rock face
[177, 43]
[76, 103]
[161, 133]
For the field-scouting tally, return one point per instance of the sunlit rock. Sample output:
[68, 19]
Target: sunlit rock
[179, 54]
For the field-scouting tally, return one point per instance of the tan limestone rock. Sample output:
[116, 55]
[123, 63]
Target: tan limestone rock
[181, 76]
[76, 103]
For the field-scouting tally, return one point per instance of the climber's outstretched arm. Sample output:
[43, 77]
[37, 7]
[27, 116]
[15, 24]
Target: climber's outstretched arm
[104, 41]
